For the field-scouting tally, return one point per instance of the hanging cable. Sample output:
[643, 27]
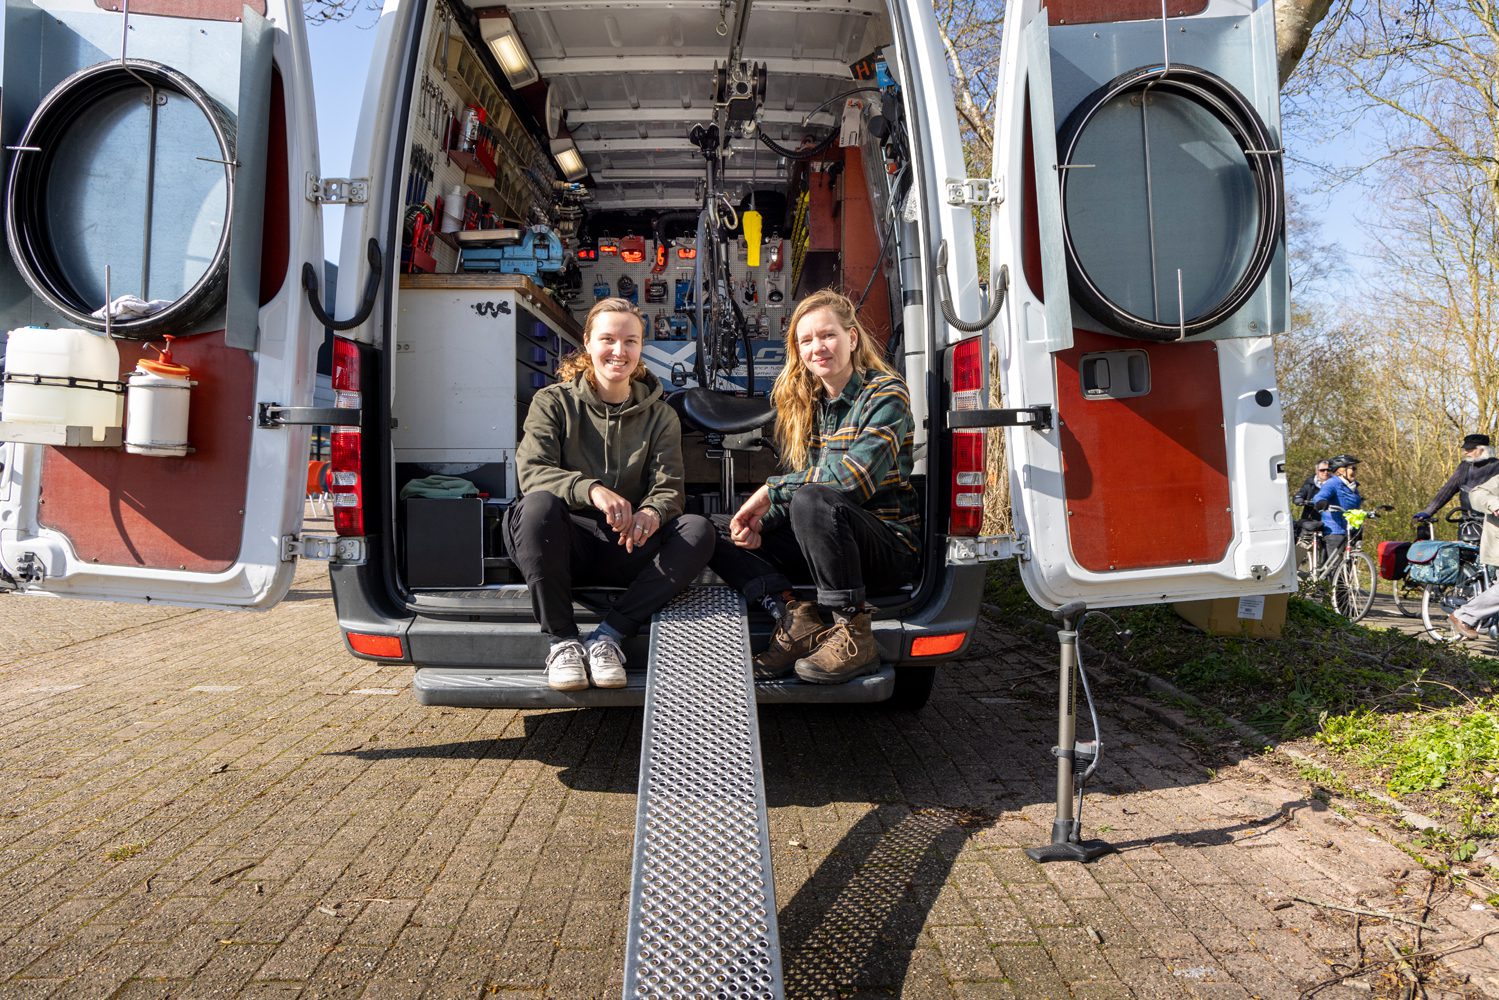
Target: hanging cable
[792, 154]
[1230, 108]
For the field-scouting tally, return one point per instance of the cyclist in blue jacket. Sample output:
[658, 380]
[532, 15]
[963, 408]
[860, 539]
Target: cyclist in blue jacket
[1340, 490]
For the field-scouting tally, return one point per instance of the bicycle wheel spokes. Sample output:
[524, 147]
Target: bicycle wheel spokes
[1440, 601]
[1358, 572]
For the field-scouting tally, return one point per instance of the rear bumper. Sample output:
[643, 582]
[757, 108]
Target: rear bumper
[490, 645]
[477, 688]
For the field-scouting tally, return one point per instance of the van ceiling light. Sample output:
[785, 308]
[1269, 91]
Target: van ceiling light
[504, 41]
[569, 160]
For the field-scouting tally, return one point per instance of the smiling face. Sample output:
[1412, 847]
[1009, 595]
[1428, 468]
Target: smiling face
[614, 348]
[826, 348]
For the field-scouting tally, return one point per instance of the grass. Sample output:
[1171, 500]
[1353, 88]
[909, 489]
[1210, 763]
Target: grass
[125, 852]
[1418, 719]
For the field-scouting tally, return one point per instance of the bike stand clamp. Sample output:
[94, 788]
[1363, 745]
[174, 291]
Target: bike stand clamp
[1072, 758]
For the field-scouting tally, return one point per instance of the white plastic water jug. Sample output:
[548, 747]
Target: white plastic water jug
[62, 377]
[158, 404]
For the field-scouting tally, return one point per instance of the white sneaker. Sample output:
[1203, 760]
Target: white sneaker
[567, 669]
[606, 663]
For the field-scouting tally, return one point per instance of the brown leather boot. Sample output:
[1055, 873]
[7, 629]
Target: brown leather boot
[844, 651]
[795, 636]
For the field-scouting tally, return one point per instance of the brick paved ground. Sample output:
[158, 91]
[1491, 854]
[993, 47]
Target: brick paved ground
[206, 804]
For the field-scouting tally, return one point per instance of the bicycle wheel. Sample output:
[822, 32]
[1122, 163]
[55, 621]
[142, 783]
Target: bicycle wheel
[1407, 597]
[1357, 577]
[1439, 601]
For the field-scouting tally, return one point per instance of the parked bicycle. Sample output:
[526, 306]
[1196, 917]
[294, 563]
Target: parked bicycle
[1347, 583]
[1461, 583]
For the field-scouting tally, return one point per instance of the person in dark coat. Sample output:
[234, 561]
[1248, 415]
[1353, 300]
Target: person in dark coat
[1309, 519]
[1478, 466]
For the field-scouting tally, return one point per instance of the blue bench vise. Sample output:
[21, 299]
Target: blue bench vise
[538, 251]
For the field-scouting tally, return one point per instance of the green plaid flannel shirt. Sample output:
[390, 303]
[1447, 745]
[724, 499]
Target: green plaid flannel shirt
[861, 447]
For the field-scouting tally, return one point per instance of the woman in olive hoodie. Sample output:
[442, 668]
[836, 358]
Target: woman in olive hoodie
[600, 470]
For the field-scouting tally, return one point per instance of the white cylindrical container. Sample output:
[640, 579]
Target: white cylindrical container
[62, 377]
[452, 210]
[158, 404]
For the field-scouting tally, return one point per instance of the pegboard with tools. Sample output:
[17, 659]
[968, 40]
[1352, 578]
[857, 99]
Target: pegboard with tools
[626, 267]
[470, 163]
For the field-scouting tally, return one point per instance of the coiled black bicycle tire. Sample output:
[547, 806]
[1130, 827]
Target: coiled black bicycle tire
[1232, 110]
[26, 229]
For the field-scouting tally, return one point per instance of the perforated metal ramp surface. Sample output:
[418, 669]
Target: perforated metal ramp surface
[702, 907]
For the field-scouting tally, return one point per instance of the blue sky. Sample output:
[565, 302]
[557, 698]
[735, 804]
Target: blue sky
[340, 61]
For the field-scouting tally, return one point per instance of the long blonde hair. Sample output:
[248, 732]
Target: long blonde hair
[797, 390]
[579, 363]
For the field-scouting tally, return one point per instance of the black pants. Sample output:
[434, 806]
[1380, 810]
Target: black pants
[556, 549]
[1332, 553]
[843, 548]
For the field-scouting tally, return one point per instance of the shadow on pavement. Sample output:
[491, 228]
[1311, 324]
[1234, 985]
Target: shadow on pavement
[854, 924]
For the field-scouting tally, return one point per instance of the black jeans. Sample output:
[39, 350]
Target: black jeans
[843, 548]
[556, 548]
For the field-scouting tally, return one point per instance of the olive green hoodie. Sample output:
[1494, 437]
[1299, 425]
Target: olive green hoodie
[573, 442]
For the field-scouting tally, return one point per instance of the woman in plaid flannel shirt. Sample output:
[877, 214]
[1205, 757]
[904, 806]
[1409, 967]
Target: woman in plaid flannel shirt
[846, 517]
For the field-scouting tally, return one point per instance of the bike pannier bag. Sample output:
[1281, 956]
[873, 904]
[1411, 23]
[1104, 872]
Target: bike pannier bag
[1392, 563]
[1435, 562]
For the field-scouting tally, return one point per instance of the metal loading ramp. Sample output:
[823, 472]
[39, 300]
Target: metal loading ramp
[702, 902]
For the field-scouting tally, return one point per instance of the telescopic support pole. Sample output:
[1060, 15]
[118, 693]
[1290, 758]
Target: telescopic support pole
[1066, 830]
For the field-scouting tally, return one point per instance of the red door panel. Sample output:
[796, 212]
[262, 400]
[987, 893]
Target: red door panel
[164, 513]
[1146, 478]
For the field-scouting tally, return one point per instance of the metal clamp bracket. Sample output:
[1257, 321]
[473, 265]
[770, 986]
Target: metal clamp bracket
[1036, 417]
[975, 192]
[276, 415]
[334, 548]
[338, 190]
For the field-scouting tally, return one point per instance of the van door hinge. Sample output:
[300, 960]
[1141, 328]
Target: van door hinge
[276, 415]
[334, 548]
[975, 192]
[987, 548]
[338, 190]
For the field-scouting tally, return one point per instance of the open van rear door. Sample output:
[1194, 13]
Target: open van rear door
[173, 158]
[1142, 231]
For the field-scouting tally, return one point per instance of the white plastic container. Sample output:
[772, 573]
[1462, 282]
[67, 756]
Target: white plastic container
[452, 210]
[39, 362]
[158, 405]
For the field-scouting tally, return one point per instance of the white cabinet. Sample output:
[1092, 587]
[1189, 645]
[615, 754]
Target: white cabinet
[470, 352]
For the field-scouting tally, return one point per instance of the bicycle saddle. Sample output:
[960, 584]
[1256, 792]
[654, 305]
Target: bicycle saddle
[705, 410]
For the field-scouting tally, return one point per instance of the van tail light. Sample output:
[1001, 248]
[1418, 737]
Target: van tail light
[386, 647]
[966, 510]
[938, 645]
[346, 481]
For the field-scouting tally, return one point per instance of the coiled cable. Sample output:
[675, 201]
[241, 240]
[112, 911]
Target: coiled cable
[28, 229]
[1234, 112]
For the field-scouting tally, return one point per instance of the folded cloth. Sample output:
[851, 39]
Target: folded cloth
[131, 307]
[439, 487]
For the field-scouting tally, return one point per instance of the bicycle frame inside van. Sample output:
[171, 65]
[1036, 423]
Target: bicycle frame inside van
[713, 162]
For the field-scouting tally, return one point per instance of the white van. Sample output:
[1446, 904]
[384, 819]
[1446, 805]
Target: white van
[585, 147]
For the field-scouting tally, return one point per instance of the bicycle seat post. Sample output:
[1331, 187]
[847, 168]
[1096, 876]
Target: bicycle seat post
[725, 469]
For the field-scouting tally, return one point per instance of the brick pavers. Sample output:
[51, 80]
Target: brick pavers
[205, 804]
